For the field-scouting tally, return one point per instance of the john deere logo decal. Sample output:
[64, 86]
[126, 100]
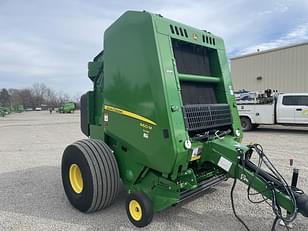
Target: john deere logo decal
[305, 112]
[194, 36]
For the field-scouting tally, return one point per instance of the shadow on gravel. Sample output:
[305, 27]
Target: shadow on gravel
[207, 221]
[38, 192]
[292, 130]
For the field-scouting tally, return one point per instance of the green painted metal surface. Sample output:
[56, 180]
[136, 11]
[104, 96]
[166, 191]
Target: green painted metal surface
[136, 108]
[226, 148]
[7, 110]
[68, 107]
[19, 108]
[195, 78]
[137, 73]
[2, 112]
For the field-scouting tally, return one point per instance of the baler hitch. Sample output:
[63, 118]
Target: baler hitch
[270, 185]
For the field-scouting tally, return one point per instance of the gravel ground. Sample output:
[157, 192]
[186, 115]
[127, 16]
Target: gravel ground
[32, 197]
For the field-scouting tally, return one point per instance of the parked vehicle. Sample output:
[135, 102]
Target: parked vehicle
[68, 107]
[283, 109]
[2, 112]
[7, 110]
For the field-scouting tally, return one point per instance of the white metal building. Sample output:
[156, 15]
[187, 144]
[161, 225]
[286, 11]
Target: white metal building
[284, 69]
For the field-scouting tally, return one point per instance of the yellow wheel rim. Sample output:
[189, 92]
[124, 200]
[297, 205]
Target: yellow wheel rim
[135, 210]
[76, 178]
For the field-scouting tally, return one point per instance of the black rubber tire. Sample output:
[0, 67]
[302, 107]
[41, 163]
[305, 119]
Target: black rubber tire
[146, 208]
[99, 172]
[254, 126]
[246, 124]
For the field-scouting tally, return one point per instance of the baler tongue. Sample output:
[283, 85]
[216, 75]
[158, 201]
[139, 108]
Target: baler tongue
[235, 159]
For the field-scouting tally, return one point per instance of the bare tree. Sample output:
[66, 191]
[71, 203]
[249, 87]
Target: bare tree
[15, 98]
[27, 98]
[5, 98]
[63, 97]
[39, 91]
[36, 96]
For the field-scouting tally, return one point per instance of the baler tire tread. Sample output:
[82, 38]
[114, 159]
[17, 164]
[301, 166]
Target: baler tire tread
[81, 201]
[104, 172]
[98, 168]
[114, 173]
[101, 171]
[93, 166]
[112, 193]
[108, 173]
[111, 170]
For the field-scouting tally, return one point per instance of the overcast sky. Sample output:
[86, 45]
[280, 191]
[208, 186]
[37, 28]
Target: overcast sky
[52, 41]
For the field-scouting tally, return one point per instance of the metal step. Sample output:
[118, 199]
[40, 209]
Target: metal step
[202, 186]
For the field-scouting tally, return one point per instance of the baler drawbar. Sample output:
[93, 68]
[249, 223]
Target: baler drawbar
[162, 117]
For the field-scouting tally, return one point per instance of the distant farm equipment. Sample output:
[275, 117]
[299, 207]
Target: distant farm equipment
[8, 110]
[19, 108]
[68, 107]
[2, 112]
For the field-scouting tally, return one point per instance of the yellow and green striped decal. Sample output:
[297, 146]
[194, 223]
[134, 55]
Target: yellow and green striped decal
[129, 114]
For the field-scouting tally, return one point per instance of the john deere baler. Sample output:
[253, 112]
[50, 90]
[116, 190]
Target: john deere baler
[67, 107]
[162, 118]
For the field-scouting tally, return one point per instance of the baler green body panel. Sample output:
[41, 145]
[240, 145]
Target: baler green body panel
[138, 106]
[138, 77]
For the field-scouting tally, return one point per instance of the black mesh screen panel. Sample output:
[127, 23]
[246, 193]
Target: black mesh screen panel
[191, 59]
[206, 116]
[197, 93]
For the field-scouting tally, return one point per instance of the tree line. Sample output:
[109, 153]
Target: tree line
[36, 96]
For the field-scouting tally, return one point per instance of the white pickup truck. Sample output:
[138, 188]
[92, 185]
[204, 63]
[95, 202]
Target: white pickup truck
[284, 109]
